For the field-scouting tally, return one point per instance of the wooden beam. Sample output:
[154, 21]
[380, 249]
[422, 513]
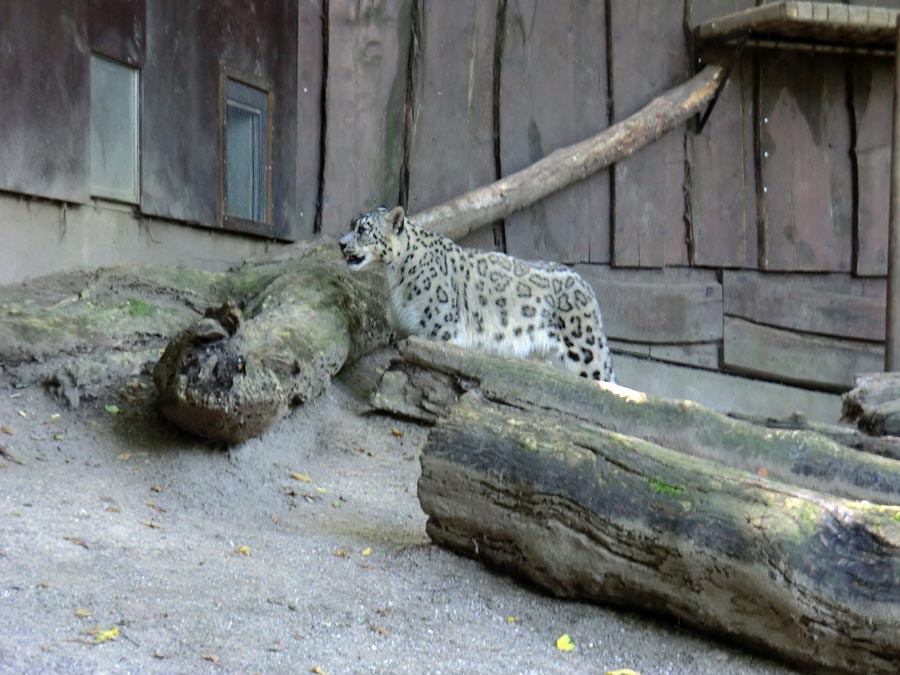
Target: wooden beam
[892, 350]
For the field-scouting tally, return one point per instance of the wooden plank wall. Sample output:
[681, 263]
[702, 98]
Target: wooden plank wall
[648, 55]
[450, 139]
[722, 207]
[365, 95]
[553, 92]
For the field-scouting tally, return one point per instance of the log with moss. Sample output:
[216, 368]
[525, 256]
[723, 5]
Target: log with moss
[238, 348]
[557, 480]
[426, 382]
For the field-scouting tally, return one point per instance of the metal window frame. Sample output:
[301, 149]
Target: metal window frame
[264, 228]
[134, 199]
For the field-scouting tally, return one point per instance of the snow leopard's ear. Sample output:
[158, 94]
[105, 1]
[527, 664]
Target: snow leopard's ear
[397, 219]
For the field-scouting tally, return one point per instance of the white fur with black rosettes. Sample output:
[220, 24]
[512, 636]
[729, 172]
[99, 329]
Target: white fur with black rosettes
[487, 300]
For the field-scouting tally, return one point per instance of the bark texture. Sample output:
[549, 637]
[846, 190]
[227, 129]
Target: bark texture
[534, 474]
[427, 382]
[274, 334]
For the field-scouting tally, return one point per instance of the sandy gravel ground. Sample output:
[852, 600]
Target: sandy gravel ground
[116, 520]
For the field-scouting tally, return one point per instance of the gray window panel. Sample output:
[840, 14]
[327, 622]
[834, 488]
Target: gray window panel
[114, 130]
[246, 149]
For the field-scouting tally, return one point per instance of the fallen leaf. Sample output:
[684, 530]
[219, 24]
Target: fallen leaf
[112, 409]
[512, 619]
[367, 551]
[54, 417]
[83, 612]
[762, 472]
[396, 432]
[124, 457]
[243, 550]
[113, 509]
[59, 437]
[622, 671]
[321, 490]
[564, 643]
[340, 553]
[93, 630]
[317, 670]
[335, 504]
[210, 657]
[156, 488]
[154, 505]
[22, 413]
[6, 430]
[107, 635]
[381, 630]
[78, 541]
[152, 525]
[158, 655]
[302, 477]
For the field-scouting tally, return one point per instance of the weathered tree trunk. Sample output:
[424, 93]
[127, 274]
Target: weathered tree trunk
[426, 384]
[870, 391]
[534, 474]
[235, 372]
[275, 335]
[875, 404]
[885, 446]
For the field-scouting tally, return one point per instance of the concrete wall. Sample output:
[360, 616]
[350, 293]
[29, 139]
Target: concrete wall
[39, 236]
[725, 393]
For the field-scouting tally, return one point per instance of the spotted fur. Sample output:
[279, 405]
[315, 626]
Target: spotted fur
[481, 299]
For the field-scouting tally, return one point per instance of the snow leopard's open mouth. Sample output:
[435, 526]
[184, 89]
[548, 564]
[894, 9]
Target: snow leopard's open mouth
[355, 261]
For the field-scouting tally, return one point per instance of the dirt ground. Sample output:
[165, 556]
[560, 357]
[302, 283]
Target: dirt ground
[116, 520]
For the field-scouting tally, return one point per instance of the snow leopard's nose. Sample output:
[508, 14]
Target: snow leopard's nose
[343, 242]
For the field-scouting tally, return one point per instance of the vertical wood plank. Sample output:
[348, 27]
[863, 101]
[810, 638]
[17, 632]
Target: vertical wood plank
[452, 139]
[553, 92]
[872, 83]
[806, 197]
[368, 48]
[45, 84]
[722, 169]
[310, 62]
[648, 56]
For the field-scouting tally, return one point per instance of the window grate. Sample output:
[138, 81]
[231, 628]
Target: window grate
[246, 152]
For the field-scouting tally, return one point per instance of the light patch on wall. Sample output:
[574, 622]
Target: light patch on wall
[114, 130]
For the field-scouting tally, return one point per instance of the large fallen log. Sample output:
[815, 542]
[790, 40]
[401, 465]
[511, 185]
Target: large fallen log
[271, 336]
[427, 382]
[526, 474]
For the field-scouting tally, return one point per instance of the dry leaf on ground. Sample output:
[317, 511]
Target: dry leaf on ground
[564, 643]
